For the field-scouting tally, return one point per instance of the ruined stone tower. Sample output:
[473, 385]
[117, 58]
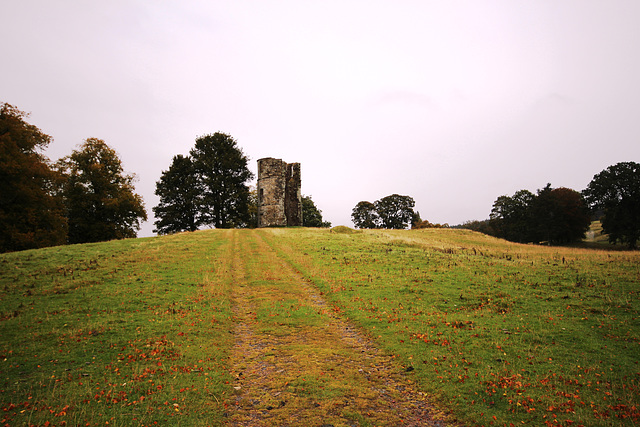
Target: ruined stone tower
[279, 193]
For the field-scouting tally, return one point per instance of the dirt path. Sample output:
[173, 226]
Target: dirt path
[296, 361]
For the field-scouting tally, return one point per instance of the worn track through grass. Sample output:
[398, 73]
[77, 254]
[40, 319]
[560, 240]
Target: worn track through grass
[297, 361]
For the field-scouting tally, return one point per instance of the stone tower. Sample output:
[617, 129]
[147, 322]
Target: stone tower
[279, 193]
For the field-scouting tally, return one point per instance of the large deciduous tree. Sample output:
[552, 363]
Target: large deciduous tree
[31, 211]
[222, 174]
[395, 211]
[616, 191]
[179, 198]
[100, 199]
[511, 216]
[364, 215]
[560, 216]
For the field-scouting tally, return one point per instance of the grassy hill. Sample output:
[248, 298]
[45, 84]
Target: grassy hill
[145, 331]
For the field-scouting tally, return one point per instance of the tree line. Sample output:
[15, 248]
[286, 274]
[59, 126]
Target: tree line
[87, 197]
[562, 215]
[554, 216]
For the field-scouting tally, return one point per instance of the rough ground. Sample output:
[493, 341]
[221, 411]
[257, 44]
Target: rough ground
[297, 361]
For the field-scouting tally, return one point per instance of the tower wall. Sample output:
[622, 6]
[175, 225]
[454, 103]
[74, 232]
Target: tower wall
[279, 193]
[293, 195]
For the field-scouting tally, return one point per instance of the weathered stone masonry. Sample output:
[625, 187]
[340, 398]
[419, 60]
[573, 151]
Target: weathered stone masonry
[279, 193]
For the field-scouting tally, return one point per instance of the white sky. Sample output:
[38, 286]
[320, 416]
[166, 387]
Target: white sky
[451, 102]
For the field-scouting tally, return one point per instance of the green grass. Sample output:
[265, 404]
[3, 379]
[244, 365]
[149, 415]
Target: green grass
[525, 334]
[127, 333]
[137, 332]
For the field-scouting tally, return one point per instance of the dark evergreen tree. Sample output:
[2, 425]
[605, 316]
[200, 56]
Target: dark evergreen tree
[31, 210]
[179, 198]
[222, 173]
[616, 191]
[99, 196]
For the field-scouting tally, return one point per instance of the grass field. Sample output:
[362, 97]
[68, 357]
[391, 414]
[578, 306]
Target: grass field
[152, 331]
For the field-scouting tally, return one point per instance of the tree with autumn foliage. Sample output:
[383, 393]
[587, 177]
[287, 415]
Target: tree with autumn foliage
[31, 210]
[99, 197]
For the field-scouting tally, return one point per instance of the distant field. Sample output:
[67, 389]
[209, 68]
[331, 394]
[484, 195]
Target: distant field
[595, 234]
[137, 332]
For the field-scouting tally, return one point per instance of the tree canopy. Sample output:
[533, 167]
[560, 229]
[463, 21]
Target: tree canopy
[31, 210]
[555, 216]
[616, 192]
[560, 215]
[364, 215]
[99, 197]
[179, 198]
[512, 216]
[207, 188]
[394, 211]
[222, 173]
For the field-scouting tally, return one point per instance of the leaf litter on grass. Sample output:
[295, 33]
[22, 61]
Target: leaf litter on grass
[501, 333]
[125, 332]
[142, 331]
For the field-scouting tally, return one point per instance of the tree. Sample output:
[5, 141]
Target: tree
[99, 197]
[555, 216]
[222, 172]
[311, 215]
[511, 217]
[616, 191]
[364, 215]
[31, 210]
[179, 198]
[395, 211]
[560, 216]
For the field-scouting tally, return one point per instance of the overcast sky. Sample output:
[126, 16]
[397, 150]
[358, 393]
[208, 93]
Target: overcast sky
[451, 102]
